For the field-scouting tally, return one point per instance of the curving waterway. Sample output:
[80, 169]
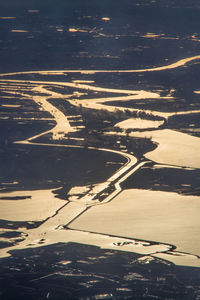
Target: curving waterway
[63, 225]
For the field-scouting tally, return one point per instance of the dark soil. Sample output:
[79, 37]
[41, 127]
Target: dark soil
[76, 271]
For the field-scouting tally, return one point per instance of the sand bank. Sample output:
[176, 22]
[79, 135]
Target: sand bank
[138, 123]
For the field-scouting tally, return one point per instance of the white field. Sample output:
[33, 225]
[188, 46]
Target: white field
[41, 205]
[148, 215]
[174, 148]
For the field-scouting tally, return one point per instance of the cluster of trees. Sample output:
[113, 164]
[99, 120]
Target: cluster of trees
[98, 122]
[101, 119]
[137, 146]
